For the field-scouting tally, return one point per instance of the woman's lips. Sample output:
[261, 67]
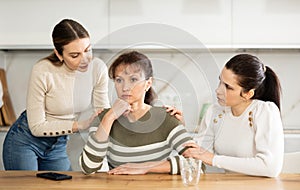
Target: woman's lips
[220, 99]
[126, 96]
[83, 66]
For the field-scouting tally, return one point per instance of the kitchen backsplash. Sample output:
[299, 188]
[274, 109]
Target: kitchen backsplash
[185, 79]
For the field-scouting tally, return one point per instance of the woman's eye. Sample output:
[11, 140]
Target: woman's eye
[228, 87]
[134, 80]
[74, 55]
[118, 80]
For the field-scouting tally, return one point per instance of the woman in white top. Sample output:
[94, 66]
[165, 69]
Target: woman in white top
[62, 86]
[244, 132]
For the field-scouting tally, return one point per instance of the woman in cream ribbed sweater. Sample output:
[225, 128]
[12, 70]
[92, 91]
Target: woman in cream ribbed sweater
[61, 86]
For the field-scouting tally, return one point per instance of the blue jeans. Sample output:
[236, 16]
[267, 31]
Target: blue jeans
[23, 151]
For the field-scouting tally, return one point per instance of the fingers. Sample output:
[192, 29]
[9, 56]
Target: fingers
[99, 111]
[123, 169]
[120, 107]
[191, 145]
[173, 111]
[96, 113]
[196, 151]
[168, 108]
[192, 149]
[191, 152]
[180, 118]
[127, 112]
[113, 171]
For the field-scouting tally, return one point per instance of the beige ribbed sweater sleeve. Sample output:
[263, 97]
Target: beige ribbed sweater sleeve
[100, 91]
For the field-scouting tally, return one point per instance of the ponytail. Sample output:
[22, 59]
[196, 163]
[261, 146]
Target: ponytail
[150, 97]
[270, 89]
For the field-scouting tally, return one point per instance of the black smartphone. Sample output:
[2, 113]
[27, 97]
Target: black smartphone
[53, 176]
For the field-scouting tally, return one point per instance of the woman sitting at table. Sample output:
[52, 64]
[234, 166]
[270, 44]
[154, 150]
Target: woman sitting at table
[136, 137]
[244, 132]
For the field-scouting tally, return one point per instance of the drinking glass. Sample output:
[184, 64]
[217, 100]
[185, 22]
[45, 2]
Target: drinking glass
[190, 170]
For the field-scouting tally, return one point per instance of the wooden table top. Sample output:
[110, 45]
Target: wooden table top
[27, 180]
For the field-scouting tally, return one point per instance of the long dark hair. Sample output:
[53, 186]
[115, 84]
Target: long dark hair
[63, 33]
[253, 74]
[140, 60]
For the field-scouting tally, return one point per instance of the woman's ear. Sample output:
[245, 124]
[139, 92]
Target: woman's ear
[248, 95]
[148, 84]
[58, 55]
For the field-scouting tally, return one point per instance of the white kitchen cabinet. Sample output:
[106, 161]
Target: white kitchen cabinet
[208, 21]
[215, 23]
[266, 23]
[31, 22]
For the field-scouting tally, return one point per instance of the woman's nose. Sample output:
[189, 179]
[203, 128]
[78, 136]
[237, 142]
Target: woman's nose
[126, 86]
[86, 57]
[219, 89]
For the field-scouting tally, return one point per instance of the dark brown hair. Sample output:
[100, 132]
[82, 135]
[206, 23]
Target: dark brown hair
[63, 33]
[140, 60]
[253, 74]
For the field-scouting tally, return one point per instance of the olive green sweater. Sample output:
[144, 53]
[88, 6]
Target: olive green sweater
[152, 138]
